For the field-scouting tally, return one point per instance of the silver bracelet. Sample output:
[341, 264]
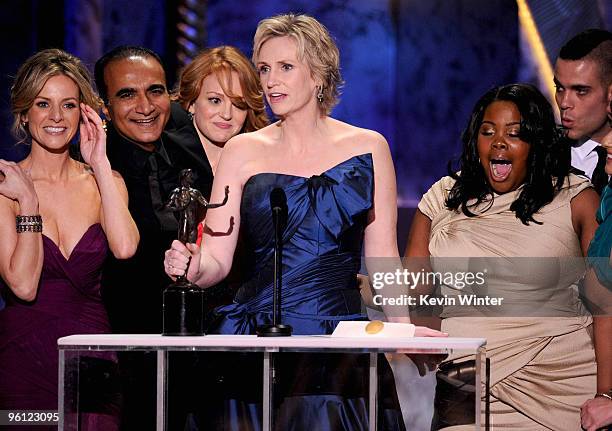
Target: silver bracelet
[28, 223]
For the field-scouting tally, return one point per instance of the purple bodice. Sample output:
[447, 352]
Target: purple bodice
[68, 302]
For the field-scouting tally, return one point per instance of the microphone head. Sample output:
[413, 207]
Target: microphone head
[278, 204]
[278, 198]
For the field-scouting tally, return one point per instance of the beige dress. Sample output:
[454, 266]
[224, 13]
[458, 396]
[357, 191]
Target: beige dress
[542, 358]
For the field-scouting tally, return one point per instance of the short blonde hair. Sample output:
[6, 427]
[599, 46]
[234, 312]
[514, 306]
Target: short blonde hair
[32, 77]
[222, 61]
[316, 48]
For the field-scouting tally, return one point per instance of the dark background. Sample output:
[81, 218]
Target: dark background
[413, 68]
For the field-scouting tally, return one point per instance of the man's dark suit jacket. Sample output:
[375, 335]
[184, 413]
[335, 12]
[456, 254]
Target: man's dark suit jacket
[132, 288]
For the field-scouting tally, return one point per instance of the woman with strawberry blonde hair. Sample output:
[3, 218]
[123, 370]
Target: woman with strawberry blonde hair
[222, 92]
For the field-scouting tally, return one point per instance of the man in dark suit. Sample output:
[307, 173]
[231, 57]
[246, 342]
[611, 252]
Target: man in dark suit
[150, 140]
[583, 79]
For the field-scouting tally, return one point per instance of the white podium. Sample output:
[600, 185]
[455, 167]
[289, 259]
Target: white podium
[76, 345]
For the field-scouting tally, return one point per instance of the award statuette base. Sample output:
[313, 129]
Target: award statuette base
[183, 309]
[274, 331]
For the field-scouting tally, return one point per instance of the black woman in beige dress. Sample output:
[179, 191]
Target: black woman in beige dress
[514, 209]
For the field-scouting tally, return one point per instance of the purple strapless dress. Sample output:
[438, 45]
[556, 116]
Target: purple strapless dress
[68, 302]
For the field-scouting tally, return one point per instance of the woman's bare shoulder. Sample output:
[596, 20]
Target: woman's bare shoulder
[347, 133]
[244, 154]
[247, 145]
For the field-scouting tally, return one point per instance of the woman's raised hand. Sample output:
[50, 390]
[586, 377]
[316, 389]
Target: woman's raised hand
[16, 184]
[93, 137]
[179, 256]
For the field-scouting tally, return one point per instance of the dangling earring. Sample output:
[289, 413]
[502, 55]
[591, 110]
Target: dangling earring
[320, 94]
[105, 125]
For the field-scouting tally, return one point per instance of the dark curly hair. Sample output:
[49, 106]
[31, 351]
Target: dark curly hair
[548, 162]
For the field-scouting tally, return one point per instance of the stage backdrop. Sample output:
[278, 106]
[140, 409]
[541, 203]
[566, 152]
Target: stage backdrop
[413, 69]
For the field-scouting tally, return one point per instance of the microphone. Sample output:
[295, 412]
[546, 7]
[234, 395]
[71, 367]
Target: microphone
[278, 204]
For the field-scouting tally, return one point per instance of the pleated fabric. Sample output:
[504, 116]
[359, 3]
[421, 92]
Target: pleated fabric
[542, 358]
[322, 245]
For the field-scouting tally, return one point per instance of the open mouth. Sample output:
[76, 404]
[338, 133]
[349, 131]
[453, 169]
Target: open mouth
[500, 169]
[276, 97]
[146, 122]
[54, 130]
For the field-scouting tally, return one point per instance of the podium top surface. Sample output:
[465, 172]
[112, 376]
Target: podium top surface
[254, 343]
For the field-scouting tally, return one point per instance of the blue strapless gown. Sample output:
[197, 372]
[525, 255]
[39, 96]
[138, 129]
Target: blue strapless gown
[322, 245]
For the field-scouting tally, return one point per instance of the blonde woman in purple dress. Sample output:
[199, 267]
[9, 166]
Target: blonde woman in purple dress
[58, 219]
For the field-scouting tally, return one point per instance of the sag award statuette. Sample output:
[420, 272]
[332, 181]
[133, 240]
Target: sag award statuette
[183, 301]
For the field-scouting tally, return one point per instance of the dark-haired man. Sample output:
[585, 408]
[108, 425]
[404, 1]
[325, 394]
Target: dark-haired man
[150, 140]
[583, 78]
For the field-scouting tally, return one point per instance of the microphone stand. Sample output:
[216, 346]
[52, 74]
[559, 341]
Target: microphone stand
[278, 202]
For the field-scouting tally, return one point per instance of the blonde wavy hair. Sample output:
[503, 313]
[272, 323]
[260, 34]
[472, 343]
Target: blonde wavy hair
[315, 46]
[32, 77]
